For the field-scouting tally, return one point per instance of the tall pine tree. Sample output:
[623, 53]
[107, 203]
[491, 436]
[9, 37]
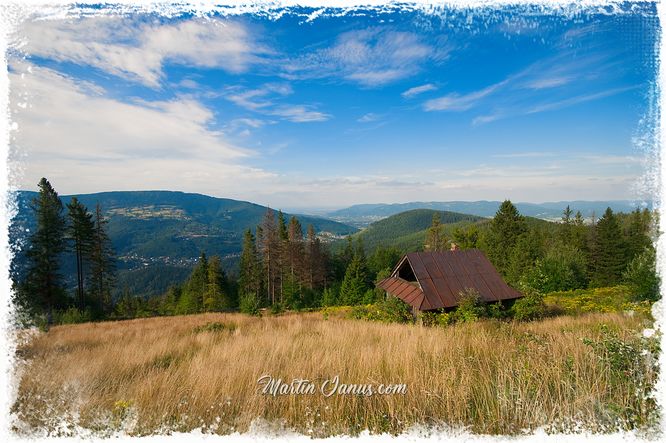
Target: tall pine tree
[609, 251]
[102, 265]
[80, 232]
[435, 240]
[42, 291]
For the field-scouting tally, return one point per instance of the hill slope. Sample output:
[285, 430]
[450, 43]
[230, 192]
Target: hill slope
[362, 215]
[406, 230]
[171, 229]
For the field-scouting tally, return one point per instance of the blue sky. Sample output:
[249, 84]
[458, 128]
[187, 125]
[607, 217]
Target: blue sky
[337, 110]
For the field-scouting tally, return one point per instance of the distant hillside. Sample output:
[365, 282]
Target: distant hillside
[406, 231]
[158, 231]
[363, 215]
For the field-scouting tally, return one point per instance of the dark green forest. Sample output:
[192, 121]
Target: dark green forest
[286, 266]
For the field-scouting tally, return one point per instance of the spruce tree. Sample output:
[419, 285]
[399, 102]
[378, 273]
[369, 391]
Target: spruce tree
[354, 284]
[269, 243]
[43, 290]
[609, 252]
[505, 228]
[194, 291]
[435, 240]
[216, 297]
[249, 279]
[80, 232]
[102, 266]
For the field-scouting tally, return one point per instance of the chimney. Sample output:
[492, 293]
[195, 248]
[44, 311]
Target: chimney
[454, 247]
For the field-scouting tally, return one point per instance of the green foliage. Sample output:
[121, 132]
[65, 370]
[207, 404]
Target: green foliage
[609, 251]
[434, 318]
[407, 231]
[524, 255]
[467, 238]
[390, 310]
[329, 297]
[215, 327]
[43, 289]
[641, 275]
[249, 304]
[610, 299]
[505, 229]
[73, 315]
[435, 240]
[633, 364]
[530, 307]
[563, 268]
[470, 307]
[354, 285]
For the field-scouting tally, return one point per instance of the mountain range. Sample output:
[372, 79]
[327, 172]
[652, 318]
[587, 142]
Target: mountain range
[364, 214]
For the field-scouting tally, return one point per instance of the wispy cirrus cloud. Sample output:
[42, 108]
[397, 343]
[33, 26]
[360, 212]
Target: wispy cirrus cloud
[417, 90]
[266, 100]
[370, 57]
[138, 51]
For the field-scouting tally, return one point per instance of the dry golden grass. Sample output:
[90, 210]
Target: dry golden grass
[161, 374]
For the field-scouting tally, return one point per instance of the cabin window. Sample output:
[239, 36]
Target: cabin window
[406, 272]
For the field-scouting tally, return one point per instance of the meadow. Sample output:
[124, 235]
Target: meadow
[156, 375]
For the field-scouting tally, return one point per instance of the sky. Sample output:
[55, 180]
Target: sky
[326, 111]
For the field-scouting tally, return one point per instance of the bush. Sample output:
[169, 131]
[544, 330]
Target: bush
[249, 304]
[530, 307]
[435, 318]
[470, 307]
[73, 315]
[641, 276]
[391, 310]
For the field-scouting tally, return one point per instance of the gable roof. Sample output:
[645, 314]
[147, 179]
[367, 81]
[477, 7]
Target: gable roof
[441, 276]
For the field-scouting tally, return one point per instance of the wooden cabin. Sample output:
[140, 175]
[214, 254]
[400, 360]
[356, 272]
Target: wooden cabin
[430, 281]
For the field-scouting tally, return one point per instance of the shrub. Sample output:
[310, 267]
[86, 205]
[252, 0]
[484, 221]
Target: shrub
[470, 307]
[249, 304]
[73, 315]
[214, 327]
[434, 318]
[641, 276]
[530, 307]
[391, 310]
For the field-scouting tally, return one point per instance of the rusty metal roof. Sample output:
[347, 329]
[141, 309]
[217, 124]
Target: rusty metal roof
[442, 276]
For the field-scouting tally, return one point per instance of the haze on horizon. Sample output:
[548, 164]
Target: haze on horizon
[390, 108]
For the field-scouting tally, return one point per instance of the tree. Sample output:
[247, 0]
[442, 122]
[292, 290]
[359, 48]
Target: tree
[565, 226]
[194, 290]
[102, 266]
[269, 244]
[216, 297]
[80, 232]
[505, 228]
[354, 284]
[524, 255]
[295, 250]
[249, 279]
[641, 275]
[316, 261]
[43, 290]
[435, 240]
[638, 233]
[609, 251]
[466, 238]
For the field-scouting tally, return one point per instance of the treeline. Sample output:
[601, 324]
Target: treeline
[74, 233]
[571, 254]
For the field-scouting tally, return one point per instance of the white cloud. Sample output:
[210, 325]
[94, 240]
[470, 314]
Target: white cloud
[370, 57]
[264, 100]
[138, 50]
[369, 117]
[457, 102]
[85, 141]
[413, 92]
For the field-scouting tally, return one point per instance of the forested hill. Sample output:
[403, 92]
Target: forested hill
[406, 230]
[364, 214]
[168, 229]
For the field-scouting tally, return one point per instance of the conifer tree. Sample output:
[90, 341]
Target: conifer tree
[80, 232]
[435, 240]
[316, 261]
[249, 279]
[354, 284]
[194, 291]
[505, 228]
[216, 298]
[269, 243]
[42, 290]
[566, 225]
[102, 266]
[638, 233]
[609, 252]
